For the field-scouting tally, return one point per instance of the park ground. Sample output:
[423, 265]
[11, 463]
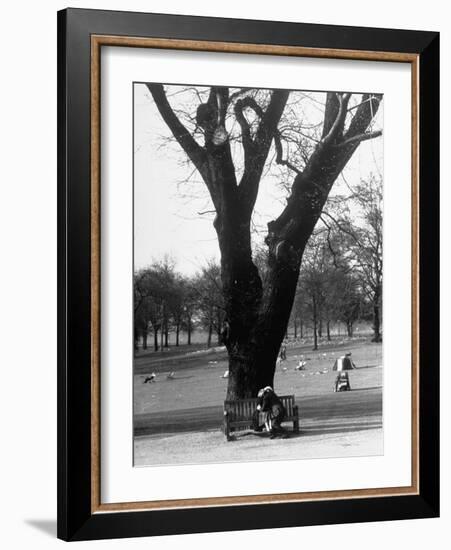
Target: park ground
[179, 420]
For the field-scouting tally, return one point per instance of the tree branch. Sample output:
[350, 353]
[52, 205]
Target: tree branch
[240, 105]
[337, 127]
[361, 137]
[195, 152]
[258, 148]
[279, 154]
[364, 114]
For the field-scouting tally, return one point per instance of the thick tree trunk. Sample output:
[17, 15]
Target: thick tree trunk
[177, 334]
[295, 329]
[144, 337]
[320, 328]
[349, 328]
[301, 328]
[328, 331]
[155, 339]
[253, 350]
[189, 331]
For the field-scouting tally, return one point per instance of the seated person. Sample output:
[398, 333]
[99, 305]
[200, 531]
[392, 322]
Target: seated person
[269, 403]
[342, 382]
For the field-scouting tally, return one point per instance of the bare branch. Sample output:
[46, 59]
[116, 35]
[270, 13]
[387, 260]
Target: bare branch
[338, 124]
[361, 137]
[364, 115]
[195, 152]
[279, 153]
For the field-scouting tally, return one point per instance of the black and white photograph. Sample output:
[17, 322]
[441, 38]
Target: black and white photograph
[257, 273]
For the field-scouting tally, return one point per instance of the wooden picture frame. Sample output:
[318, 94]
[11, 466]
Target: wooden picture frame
[81, 35]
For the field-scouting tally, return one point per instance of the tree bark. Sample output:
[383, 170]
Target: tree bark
[144, 337]
[155, 339]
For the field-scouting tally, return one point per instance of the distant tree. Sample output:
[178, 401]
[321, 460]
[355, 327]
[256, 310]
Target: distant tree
[349, 305]
[210, 301]
[177, 304]
[190, 307]
[153, 291]
[314, 282]
[361, 221]
[299, 313]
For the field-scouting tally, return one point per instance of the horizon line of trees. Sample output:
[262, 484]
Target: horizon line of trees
[340, 281]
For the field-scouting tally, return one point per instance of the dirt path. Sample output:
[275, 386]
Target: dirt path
[210, 446]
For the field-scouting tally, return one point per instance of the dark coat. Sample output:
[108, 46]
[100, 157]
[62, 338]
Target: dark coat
[270, 403]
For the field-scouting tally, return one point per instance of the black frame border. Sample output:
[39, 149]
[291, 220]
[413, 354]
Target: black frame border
[75, 520]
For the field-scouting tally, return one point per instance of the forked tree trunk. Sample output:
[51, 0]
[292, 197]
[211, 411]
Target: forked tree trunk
[254, 346]
[257, 318]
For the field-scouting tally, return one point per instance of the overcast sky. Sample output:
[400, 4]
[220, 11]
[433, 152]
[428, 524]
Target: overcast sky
[166, 208]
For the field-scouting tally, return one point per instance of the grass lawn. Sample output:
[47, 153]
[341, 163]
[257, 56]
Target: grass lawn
[179, 420]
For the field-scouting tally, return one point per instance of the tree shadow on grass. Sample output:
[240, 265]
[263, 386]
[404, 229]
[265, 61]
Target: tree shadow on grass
[314, 429]
[349, 408]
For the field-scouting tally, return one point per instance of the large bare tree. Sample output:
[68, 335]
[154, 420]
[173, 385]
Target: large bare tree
[258, 308]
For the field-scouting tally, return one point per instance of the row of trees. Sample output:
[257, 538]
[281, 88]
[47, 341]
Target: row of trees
[340, 280]
[166, 301]
[341, 275]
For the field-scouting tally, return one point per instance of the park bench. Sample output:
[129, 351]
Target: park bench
[238, 414]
